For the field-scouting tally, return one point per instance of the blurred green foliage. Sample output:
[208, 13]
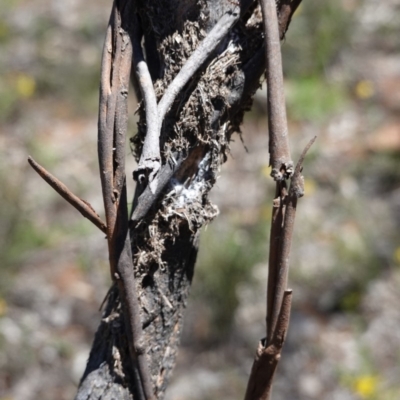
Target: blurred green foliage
[64, 70]
[318, 32]
[41, 62]
[313, 98]
[227, 256]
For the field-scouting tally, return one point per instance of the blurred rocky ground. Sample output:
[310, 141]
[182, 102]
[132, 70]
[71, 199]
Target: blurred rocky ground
[342, 83]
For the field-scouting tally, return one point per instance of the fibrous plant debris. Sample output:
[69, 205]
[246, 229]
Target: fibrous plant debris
[198, 125]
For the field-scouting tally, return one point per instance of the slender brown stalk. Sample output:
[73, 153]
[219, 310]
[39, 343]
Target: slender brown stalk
[283, 211]
[105, 128]
[267, 356]
[278, 215]
[121, 109]
[126, 281]
[287, 9]
[279, 296]
[82, 206]
[278, 280]
[280, 160]
[113, 112]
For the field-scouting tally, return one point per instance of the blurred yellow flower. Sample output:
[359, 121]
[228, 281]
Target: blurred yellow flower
[266, 213]
[309, 186]
[366, 385]
[26, 86]
[4, 31]
[266, 171]
[396, 255]
[3, 307]
[364, 89]
[298, 11]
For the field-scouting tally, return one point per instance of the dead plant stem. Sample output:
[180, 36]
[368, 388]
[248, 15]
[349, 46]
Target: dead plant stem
[116, 68]
[82, 206]
[280, 159]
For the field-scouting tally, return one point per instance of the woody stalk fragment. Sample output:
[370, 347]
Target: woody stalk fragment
[195, 66]
[279, 297]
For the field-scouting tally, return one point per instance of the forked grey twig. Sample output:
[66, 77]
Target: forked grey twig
[150, 159]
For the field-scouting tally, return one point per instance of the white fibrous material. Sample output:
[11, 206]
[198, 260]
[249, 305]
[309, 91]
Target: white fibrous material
[188, 200]
[185, 196]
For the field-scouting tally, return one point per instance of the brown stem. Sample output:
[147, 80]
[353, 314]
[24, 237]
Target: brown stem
[126, 282]
[278, 214]
[113, 119]
[267, 357]
[280, 160]
[121, 109]
[284, 207]
[286, 10]
[82, 206]
[279, 297]
[106, 127]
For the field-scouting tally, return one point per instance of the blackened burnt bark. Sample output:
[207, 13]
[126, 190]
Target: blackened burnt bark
[194, 142]
[108, 374]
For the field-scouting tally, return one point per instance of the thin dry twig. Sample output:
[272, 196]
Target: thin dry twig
[81, 205]
[197, 59]
[121, 110]
[281, 162]
[150, 195]
[279, 296]
[267, 356]
[279, 263]
[278, 213]
[192, 65]
[107, 106]
[150, 159]
[284, 208]
[116, 68]
[287, 9]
